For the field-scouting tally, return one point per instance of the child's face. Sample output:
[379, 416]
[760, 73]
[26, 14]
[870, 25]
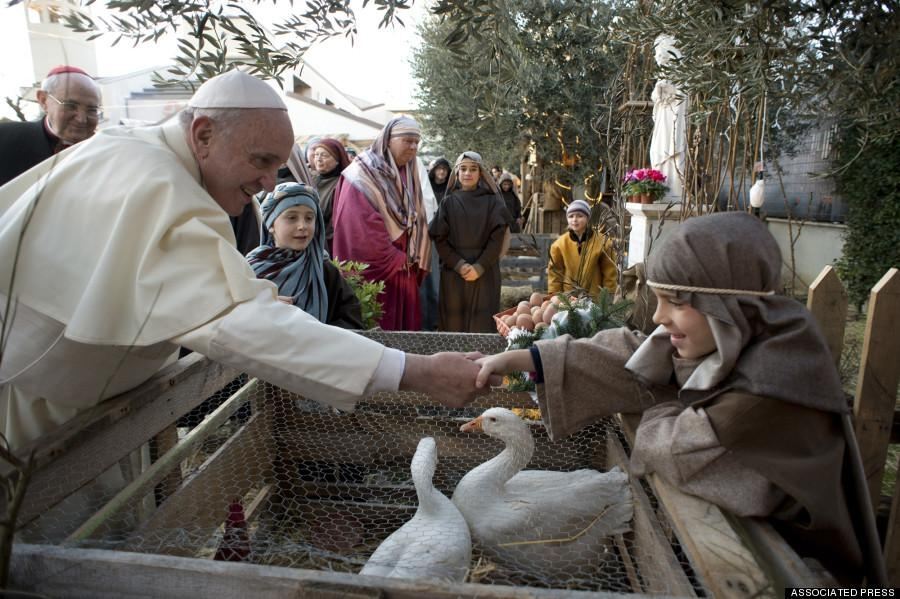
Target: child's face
[688, 328]
[578, 222]
[506, 185]
[294, 228]
[468, 172]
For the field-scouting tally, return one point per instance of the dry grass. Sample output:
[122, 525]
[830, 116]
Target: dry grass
[510, 296]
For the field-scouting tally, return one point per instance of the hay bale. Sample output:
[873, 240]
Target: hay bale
[510, 296]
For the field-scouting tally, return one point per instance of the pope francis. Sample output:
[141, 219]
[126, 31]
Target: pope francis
[119, 250]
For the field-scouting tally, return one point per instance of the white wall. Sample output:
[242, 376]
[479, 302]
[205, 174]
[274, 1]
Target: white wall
[116, 92]
[308, 119]
[16, 67]
[817, 245]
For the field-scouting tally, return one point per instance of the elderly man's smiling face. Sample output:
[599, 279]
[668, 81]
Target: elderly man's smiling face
[240, 157]
[72, 106]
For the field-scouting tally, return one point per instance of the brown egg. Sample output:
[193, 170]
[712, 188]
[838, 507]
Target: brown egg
[538, 315]
[549, 313]
[545, 304]
[555, 300]
[523, 308]
[510, 320]
[534, 309]
[541, 325]
[524, 321]
[536, 298]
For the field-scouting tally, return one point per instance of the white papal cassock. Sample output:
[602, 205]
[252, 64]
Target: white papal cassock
[119, 256]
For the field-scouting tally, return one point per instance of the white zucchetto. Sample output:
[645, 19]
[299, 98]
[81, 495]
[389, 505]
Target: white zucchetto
[236, 89]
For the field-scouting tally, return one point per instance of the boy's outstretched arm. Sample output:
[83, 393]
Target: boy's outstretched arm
[511, 361]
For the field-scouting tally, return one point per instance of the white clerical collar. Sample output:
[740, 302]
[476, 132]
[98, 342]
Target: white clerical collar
[176, 139]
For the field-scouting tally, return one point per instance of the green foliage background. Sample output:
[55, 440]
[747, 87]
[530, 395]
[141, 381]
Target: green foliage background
[532, 71]
[871, 187]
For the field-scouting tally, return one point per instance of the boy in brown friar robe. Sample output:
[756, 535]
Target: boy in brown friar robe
[741, 402]
[469, 230]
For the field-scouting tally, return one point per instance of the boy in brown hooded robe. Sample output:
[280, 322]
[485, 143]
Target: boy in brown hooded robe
[741, 402]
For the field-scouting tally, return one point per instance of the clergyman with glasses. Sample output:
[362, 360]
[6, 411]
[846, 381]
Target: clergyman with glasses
[70, 101]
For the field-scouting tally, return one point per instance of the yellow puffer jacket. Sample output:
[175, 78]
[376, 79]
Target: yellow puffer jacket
[593, 267]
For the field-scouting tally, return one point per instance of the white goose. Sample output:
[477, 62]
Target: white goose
[436, 542]
[543, 521]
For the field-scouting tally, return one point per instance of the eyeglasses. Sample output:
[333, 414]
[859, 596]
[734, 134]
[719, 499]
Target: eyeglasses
[92, 112]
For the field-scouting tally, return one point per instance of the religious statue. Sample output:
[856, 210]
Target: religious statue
[668, 142]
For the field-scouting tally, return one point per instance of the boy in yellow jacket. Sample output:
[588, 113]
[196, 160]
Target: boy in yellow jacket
[581, 258]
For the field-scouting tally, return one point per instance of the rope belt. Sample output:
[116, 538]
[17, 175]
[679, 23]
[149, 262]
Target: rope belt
[712, 290]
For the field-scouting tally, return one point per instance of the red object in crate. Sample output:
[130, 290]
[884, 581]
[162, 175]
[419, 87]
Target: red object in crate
[235, 544]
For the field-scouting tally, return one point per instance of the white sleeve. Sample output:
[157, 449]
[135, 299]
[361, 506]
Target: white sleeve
[428, 197]
[285, 346]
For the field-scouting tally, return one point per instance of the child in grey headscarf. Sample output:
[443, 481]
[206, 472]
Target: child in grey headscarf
[292, 255]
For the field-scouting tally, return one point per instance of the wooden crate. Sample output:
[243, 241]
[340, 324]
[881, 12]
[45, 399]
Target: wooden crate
[670, 530]
[526, 262]
[550, 222]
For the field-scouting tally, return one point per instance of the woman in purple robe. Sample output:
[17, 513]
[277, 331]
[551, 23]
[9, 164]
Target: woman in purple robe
[379, 218]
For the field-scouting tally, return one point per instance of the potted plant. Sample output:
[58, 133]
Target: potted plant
[366, 291]
[644, 185]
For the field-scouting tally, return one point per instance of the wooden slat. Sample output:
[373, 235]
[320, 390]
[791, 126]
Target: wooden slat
[787, 569]
[63, 572]
[163, 466]
[75, 454]
[203, 499]
[879, 373]
[522, 262]
[630, 571]
[162, 443]
[662, 572]
[724, 565]
[722, 562]
[827, 301]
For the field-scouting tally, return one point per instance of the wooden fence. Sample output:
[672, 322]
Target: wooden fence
[526, 262]
[875, 414]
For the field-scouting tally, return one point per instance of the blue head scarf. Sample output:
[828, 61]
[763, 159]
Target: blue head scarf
[298, 274]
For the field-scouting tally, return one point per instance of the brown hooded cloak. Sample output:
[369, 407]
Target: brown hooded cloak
[758, 426]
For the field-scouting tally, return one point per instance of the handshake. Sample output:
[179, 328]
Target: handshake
[456, 379]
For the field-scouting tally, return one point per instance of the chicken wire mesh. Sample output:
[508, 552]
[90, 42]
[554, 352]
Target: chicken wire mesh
[261, 475]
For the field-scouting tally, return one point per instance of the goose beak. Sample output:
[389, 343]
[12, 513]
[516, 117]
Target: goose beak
[473, 426]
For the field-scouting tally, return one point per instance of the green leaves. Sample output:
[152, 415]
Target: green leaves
[497, 76]
[366, 291]
[870, 185]
[215, 36]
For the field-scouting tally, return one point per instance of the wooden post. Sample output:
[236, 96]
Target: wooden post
[879, 373]
[161, 444]
[828, 303]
